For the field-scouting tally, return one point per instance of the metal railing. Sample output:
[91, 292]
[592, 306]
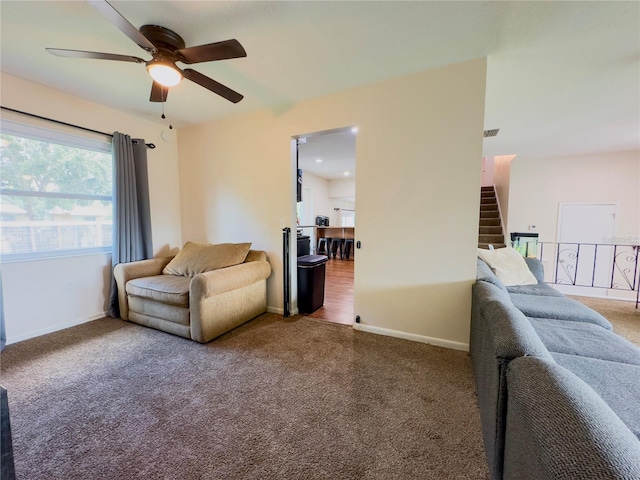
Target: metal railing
[608, 266]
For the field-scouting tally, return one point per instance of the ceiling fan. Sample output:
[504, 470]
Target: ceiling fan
[166, 48]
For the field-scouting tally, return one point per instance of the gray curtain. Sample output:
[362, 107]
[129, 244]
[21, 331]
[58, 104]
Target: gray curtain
[3, 333]
[131, 212]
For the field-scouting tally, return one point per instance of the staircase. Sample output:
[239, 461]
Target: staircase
[490, 231]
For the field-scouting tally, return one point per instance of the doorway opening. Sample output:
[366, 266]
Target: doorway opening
[326, 219]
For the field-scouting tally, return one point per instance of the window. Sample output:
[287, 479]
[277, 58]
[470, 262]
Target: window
[55, 193]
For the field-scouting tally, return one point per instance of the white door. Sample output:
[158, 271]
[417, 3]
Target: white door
[591, 226]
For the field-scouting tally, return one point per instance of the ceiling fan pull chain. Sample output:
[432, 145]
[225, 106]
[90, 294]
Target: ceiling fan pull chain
[163, 116]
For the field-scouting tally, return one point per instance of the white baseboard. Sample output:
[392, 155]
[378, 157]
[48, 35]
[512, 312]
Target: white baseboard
[438, 342]
[54, 328]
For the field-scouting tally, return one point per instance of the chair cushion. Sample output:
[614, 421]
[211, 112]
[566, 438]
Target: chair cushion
[171, 289]
[164, 311]
[195, 258]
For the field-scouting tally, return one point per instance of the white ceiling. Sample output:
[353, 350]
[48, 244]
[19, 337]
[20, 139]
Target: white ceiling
[336, 150]
[563, 77]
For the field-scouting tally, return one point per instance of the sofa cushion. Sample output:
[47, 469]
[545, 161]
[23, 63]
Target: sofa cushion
[560, 308]
[558, 427]
[541, 289]
[618, 384]
[195, 258]
[585, 339]
[508, 265]
[171, 289]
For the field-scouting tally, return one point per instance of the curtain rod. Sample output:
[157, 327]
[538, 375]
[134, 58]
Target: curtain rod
[33, 115]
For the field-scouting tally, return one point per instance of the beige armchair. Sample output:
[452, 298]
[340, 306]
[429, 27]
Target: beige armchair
[200, 307]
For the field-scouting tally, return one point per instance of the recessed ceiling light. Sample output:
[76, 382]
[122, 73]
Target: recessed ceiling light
[318, 160]
[346, 174]
[354, 130]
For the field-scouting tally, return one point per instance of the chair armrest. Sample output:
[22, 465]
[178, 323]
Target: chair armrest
[226, 279]
[123, 272]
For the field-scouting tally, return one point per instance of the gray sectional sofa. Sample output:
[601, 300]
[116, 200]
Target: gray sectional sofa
[558, 390]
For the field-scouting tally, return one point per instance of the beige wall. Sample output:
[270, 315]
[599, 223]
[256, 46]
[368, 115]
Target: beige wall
[320, 192]
[501, 180]
[45, 295]
[418, 162]
[342, 188]
[539, 186]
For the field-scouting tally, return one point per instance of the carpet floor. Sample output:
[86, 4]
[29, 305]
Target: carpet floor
[274, 399]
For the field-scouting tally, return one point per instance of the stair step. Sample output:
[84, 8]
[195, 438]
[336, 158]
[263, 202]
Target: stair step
[487, 199]
[490, 239]
[486, 189]
[489, 222]
[490, 230]
[495, 245]
[489, 214]
[484, 207]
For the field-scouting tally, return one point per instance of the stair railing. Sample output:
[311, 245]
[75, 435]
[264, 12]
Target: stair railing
[593, 265]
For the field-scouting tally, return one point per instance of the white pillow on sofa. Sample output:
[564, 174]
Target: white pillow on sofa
[508, 265]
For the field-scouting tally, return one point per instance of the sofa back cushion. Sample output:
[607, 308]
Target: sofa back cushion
[536, 268]
[195, 258]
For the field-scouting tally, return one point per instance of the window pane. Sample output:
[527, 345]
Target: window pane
[30, 223]
[29, 164]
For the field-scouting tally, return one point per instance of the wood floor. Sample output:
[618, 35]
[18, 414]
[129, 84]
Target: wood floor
[338, 293]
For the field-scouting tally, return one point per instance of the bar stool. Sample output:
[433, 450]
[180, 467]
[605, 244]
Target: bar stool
[336, 244]
[348, 242]
[348, 245]
[323, 246]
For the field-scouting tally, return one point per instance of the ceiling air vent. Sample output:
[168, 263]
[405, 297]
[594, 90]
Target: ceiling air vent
[491, 133]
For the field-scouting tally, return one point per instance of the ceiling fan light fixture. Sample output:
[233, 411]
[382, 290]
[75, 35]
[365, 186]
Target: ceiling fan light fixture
[164, 73]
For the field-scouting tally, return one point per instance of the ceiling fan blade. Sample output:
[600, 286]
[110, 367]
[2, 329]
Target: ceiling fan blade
[122, 24]
[158, 93]
[213, 51]
[59, 52]
[212, 85]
